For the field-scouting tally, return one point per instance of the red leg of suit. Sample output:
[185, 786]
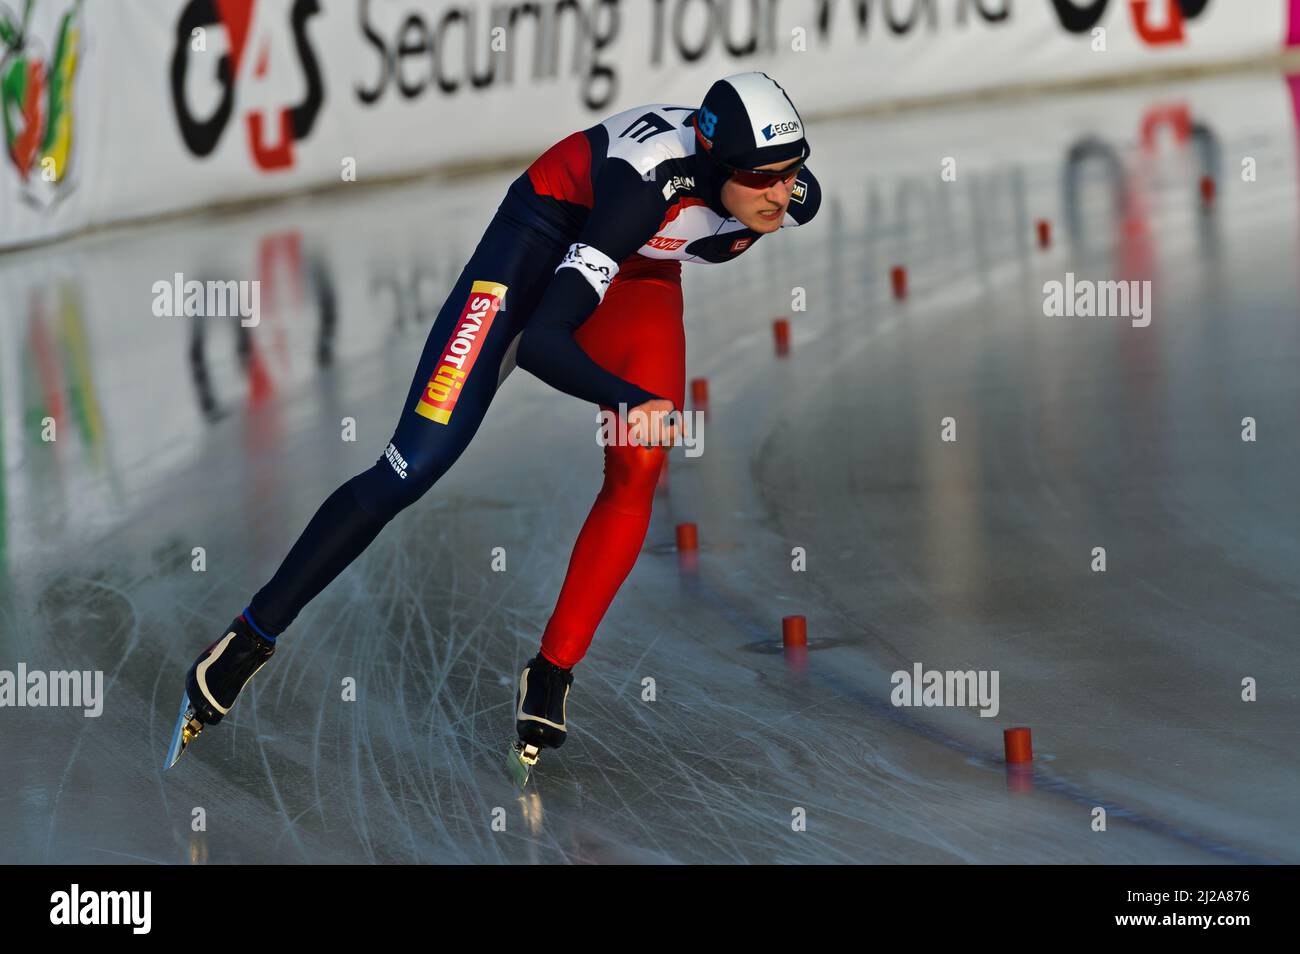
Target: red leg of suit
[637, 333]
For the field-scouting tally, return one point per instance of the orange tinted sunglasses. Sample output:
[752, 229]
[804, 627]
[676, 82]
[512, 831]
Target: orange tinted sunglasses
[757, 179]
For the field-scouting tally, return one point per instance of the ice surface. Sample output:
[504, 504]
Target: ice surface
[975, 554]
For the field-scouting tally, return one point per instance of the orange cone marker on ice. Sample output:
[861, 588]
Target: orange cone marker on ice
[1019, 746]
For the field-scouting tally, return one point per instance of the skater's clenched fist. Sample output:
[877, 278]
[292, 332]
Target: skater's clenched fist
[653, 424]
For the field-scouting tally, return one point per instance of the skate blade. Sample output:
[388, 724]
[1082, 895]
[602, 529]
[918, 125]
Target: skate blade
[520, 761]
[186, 731]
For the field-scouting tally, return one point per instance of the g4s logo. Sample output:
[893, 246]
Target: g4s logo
[261, 60]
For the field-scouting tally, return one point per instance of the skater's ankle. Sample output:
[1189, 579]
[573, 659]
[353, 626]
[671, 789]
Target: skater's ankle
[247, 617]
[542, 654]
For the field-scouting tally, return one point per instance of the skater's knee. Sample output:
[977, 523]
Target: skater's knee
[628, 465]
[631, 473]
[422, 473]
[415, 459]
[392, 485]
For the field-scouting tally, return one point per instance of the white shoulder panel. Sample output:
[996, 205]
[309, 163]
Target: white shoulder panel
[645, 136]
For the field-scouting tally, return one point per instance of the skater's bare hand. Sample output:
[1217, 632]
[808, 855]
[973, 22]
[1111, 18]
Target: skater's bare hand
[654, 423]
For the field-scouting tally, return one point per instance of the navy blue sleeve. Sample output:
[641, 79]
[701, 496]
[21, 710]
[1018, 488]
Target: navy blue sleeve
[625, 213]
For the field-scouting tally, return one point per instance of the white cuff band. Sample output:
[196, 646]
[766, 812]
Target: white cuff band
[593, 265]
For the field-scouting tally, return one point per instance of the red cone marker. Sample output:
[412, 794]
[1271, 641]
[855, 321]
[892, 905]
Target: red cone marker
[1018, 745]
[781, 335]
[898, 275]
[687, 537]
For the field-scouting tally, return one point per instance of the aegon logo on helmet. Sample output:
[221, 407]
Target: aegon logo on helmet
[772, 130]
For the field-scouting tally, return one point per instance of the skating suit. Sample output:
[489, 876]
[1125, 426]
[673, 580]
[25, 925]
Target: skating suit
[577, 279]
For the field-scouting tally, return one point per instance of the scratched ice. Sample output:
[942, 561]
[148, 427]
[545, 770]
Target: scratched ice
[1072, 433]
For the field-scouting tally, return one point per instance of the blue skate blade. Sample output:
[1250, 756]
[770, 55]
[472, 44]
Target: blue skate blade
[178, 744]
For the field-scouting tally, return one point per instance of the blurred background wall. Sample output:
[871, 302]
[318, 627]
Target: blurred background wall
[116, 111]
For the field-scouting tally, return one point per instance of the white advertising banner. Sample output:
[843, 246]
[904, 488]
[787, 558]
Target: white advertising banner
[120, 110]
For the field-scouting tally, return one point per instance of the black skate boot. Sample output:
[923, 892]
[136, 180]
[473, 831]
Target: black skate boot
[539, 713]
[215, 679]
